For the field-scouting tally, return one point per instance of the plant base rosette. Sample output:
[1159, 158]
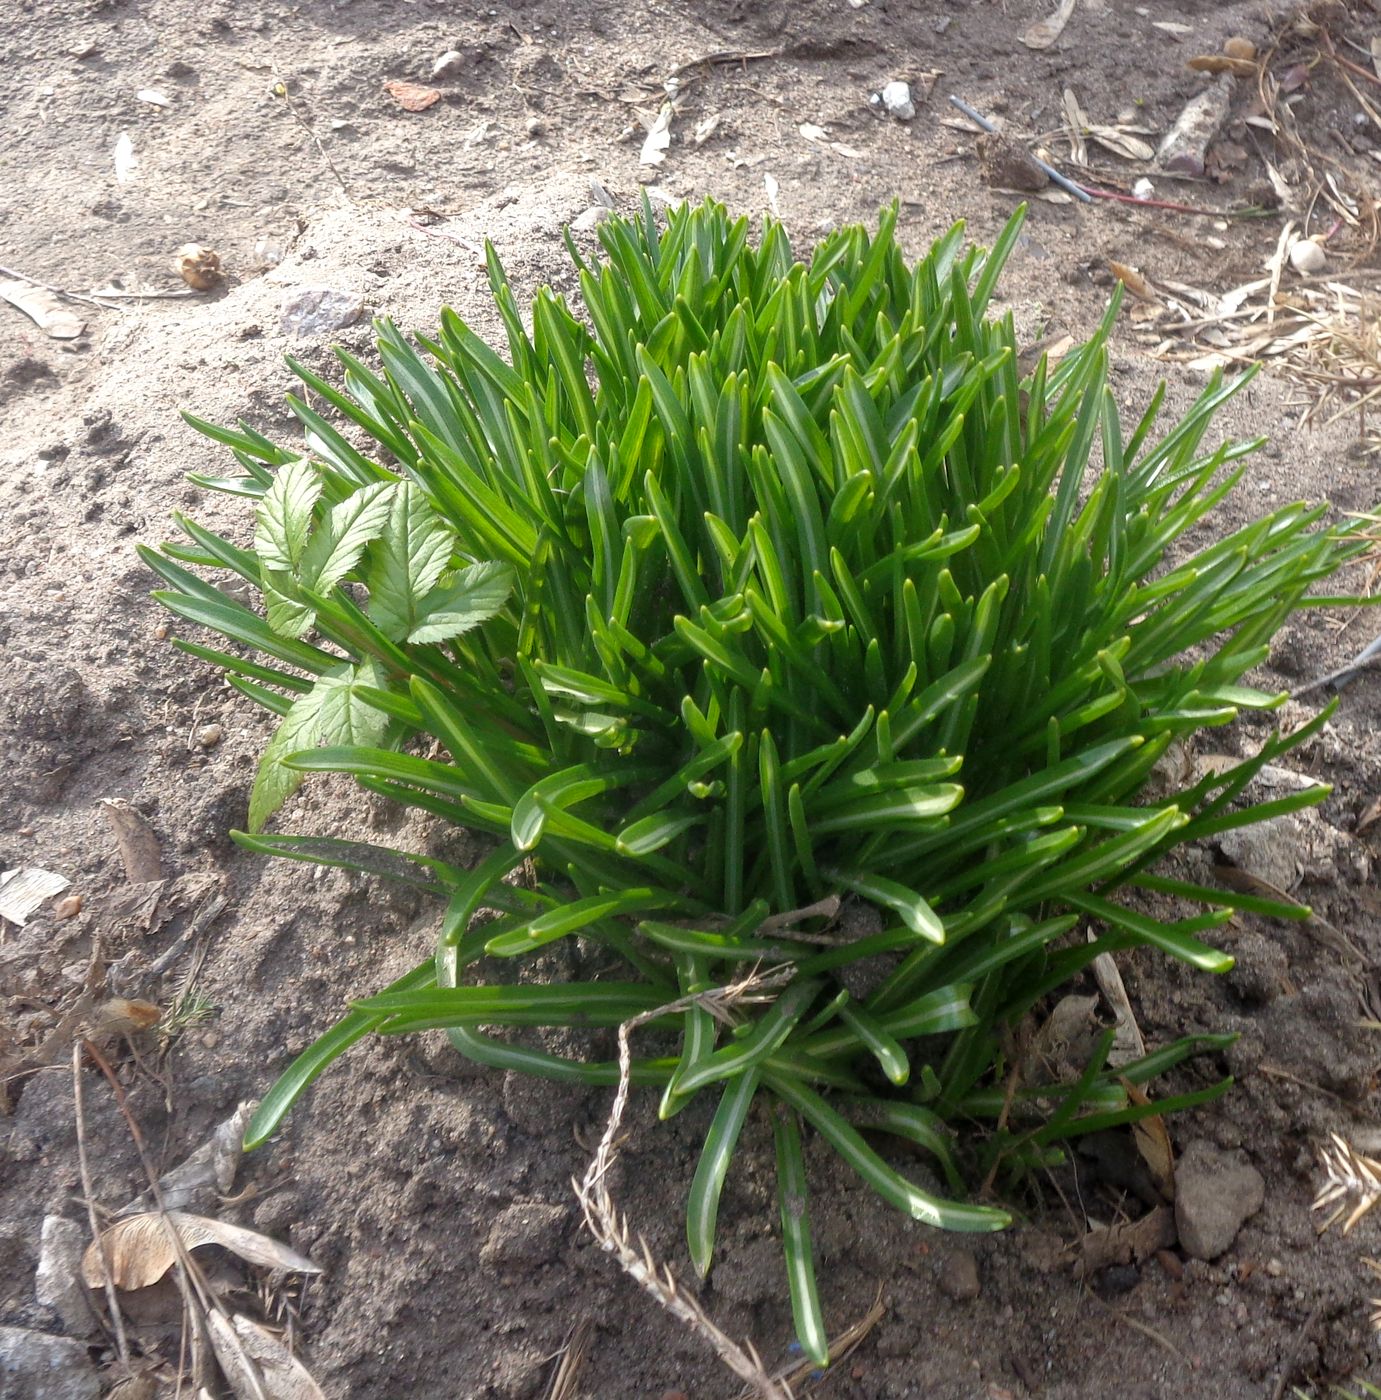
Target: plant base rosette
[761, 582]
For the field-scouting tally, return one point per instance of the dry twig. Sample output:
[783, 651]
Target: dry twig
[117, 1321]
[610, 1229]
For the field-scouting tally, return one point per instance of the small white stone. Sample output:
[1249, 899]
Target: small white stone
[896, 97]
[448, 65]
[1143, 189]
[1307, 257]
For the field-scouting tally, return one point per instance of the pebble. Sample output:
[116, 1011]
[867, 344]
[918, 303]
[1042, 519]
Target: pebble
[317, 310]
[35, 1366]
[958, 1276]
[1269, 850]
[68, 907]
[896, 98]
[448, 65]
[1216, 1193]
[1186, 143]
[57, 1283]
[1308, 257]
[209, 737]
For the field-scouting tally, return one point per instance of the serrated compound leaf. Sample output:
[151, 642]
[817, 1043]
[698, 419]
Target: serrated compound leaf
[283, 517]
[477, 593]
[273, 782]
[352, 525]
[342, 716]
[286, 615]
[406, 561]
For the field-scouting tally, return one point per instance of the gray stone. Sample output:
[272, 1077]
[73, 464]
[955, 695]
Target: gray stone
[317, 310]
[449, 65]
[58, 1283]
[958, 1275]
[35, 1366]
[1216, 1192]
[1186, 144]
[1269, 850]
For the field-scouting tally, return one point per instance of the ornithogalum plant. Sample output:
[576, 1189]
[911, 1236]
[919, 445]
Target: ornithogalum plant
[755, 582]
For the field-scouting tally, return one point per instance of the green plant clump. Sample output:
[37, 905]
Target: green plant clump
[764, 582]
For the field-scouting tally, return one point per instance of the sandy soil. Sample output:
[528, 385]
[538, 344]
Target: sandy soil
[436, 1197]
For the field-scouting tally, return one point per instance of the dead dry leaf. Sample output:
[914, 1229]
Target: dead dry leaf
[1222, 63]
[141, 1249]
[44, 308]
[1061, 1047]
[23, 891]
[1128, 1042]
[1153, 1143]
[771, 188]
[1076, 122]
[123, 1016]
[1129, 1242]
[139, 851]
[1132, 279]
[211, 1167]
[1121, 143]
[126, 162]
[705, 128]
[256, 1363]
[655, 147]
[412, 97]
[1045, 31]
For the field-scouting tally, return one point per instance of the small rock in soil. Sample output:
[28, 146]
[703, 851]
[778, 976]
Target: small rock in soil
[448, 64]
[57, 1283]
[529, 1232]
[1269, 850]
[317, 310]
[35, 1366]
[896, 98]
[1216, 1192]
[958, 1276]
[1186, 143]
